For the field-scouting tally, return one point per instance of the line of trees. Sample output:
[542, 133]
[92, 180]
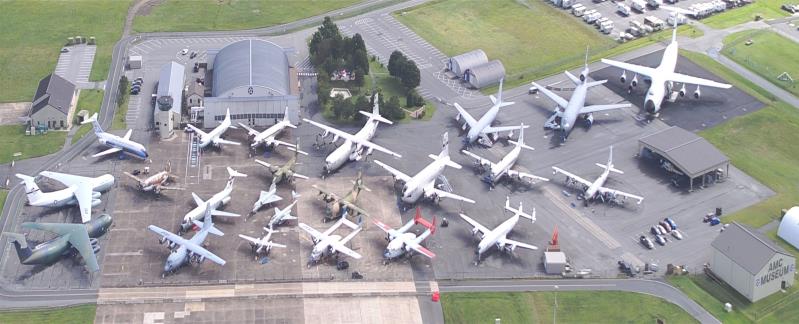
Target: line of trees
[404, 69]
[330, 51]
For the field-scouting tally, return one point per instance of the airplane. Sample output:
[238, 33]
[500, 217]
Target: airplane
[504, 166]
[80, 237]
[264, 244]
[401, 241]
[663, 77]
[567, 112]
[283, 215]
[81, 191]
[116, 143]
[267, 137]
[286, 172]
[217, 200]
[337, 206]
[353, 147]
[330, 244]
[156, 182]
[499, 235]
[423, 183]
[191, 250]
[595, 190]
[266, 198]
[482, 129]
[214, 137]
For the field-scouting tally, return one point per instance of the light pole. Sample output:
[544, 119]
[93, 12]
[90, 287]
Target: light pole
[555, 310]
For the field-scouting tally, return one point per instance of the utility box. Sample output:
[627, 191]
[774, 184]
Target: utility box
[554, 262]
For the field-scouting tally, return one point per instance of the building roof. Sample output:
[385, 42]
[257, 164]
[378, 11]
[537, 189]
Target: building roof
[195, 88]
[692, 154]
[747, 248]
[486, 74]
[789, 227]
[460, 63]
[251, 63]
[55, 91]
[170, 83]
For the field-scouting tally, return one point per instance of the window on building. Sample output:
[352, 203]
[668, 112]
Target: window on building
[62, 124]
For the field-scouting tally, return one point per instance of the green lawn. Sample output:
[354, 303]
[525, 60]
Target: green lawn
[13, 140]
[769, 55]
[76, 314]
[34, 32]
[122, 111]
[90, 100]
[206, 15]
[3, 196]
[768, 9]
[573, 307]
[380, 78]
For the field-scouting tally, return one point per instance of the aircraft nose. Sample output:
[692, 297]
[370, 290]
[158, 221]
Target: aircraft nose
[649, 106]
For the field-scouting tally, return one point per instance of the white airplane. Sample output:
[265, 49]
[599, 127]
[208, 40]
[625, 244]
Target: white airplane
[156, 182]
[504, 166]
[214, 137]
[263, 244]
[595, 190]
[567, 112]
[663, 77]
[327, 244]
[117, 144]
[401, 241]
[81, 191]
[283, 215]
[423, 183]
[267, 137]
[499, 235]
[266, 198]
[191, 250]
[482, 129]
[217, 200]
[354, 145]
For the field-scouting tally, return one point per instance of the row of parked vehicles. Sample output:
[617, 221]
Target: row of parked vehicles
[135, 88]
[661, 231]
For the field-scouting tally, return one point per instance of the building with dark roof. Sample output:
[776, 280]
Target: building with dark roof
[52, 104]
[169, 100]
[751, 263]
[685, 153]
[254, 80]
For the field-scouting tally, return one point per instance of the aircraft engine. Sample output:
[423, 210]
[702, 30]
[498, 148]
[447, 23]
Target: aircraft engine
[172, 245]
[93, 241]
[464, 126]
[325, 134]
[697, 93]
[96, 202]
[335, 138]
[458, 117]
[589, 120]
[225, 200]
[103, 141]
[96, 249]
[200, 259]
[634, 82]
[582, 77]
[162, 240]
[510, 248]
[623, 77]
[682, 91]
[474, 231]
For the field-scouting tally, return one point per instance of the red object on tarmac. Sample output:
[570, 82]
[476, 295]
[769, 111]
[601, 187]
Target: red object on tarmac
[436, 296]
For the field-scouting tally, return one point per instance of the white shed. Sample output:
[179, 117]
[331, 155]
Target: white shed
[789, 227]
[134, 62]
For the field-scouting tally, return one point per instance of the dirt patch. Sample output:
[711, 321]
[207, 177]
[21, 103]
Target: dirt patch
[11, 112]
[145, 9]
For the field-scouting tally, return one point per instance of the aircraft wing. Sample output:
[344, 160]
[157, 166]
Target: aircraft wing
[475, 224]
[397, 174]
[314, 233]
[191, 246]
[598, 108]
[269, 198]
[643, 70]
[66, 179]
[133, 177]
[525, 175]
[682, 78]
[127, 135]
[251, 239]
[498, 129]
[552, 96]
[468, 118]
[570, 175]
[421, 249]
[77, 236]
[444, 194]
[279, 142]
[327, 193]
[478, 159]
[354, 207]
[621, 193]
[343, 249]
[352, 138]
[272, 168]
[297, 175]
[83, 194]
[199, 131]
[170, 188]
[108, 151]
[250, 131]
[382, 226]
[518, 244]
[224, 141]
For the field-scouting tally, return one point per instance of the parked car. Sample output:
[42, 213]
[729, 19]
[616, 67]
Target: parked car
[792, 8]
[645, 241]
[660, 239]
[193, 54]
[184, 51]
[654, 230]
[676, 234]
[671, 222]
[64, 50]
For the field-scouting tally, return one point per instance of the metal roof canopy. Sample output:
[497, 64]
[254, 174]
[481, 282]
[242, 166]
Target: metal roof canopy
[747, 248]
[692, 154]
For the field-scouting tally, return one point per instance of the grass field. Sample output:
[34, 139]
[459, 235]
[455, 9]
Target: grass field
[75, 314]
[573, 307]
[204, 15]
[3, 196]
[768, 9]
[769, 55]
[122, 111]
[89, 100]
[34, 32]
[13, 140]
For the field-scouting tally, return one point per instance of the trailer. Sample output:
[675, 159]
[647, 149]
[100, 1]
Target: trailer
[592, 17]
[600, 21]
[676, 19]
[606, 27]
[638, 5]
[578, 10]
[655, 22]
[588, 13]
[566, 4]
[623, 9]
[654, 4]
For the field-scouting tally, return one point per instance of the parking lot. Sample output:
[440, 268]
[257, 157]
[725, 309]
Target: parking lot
[75, 64]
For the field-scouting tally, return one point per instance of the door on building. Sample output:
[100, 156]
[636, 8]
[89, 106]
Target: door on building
[784, 285]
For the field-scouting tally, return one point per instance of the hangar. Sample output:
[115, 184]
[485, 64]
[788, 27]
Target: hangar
[485, 74]
[169, 99]
[253, 79]
[683, 153]
[462, 63]
[789, 227]
[751, 263]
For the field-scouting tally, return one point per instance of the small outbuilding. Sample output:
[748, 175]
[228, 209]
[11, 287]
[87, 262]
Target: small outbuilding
[52, 104]
[751, 263]
[683, 153]
[554, 262]
[134, 62]
[789, 227]
[462, 63]
[485, 74]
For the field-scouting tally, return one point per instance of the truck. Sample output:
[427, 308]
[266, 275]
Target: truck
[654, 4]
[578, 10]
[606, 27]
[638, 5]
[592, 17]
[588, 13]
[600, 21]
[676, 19]
[655, 22]
[623, 9]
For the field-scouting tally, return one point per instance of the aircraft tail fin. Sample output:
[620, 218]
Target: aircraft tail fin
[95, 124]
[375, 114]
[520, 141]
[286, 116]
[357, 184]
[444, 145]
[31, 188]
[21, 245]
[208, 222]
[519, 211]
[610, 166]
[418, 219]
[233, 173]
[674, 32]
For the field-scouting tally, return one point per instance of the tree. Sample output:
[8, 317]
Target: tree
[392, 109]
[361, 103]
[410, 75]
[395, 63]
[323, 87]
[360, 60]
[413, 99]
[342, 108]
